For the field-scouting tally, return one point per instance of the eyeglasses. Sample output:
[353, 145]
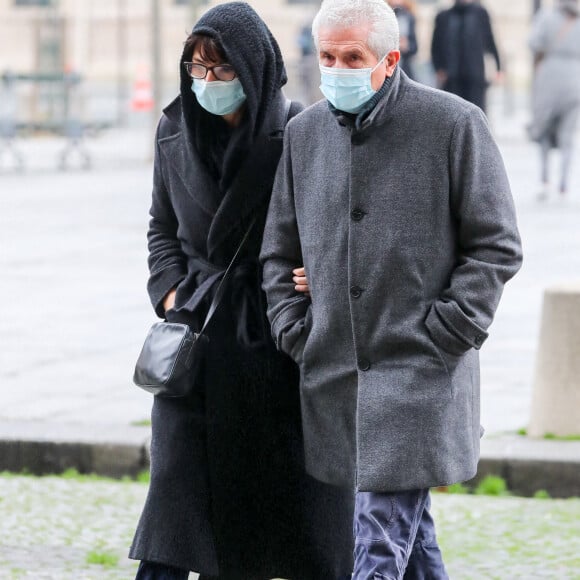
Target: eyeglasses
[222, 72]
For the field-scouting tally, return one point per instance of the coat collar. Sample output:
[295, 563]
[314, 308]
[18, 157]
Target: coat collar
[384, 110]
[181, 156]
[250, 189]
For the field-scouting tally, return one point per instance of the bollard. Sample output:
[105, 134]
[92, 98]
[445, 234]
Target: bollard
[556, 394]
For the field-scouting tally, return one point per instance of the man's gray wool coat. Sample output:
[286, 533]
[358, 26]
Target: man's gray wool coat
[407, 230]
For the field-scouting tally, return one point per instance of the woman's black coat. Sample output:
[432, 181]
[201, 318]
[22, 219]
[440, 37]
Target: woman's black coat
[228, 493]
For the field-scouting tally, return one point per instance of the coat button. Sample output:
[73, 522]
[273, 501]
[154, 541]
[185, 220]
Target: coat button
[357, 214]
[355, 291]
[358, 139]
[363, 364]
[478, 339]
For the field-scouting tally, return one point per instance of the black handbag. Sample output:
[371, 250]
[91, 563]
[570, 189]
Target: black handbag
[171, 355]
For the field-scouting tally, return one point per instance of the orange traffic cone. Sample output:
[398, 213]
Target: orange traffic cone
[142, 93]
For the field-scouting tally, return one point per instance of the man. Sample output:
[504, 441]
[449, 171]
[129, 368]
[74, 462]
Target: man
[461, 38]
[395, 199]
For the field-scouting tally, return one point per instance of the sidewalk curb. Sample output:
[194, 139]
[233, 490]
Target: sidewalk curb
[44, 457]
[526, 465]
[530, 465]
[527, 476]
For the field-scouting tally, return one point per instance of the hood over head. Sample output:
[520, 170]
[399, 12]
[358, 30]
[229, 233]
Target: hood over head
[251, 49]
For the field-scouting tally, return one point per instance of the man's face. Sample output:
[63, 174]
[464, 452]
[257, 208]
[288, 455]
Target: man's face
[347, 48]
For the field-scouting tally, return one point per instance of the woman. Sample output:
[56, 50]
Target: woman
[555, 43]
[229, 497]
[405, 12]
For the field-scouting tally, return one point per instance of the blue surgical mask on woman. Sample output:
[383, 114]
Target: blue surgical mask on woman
[348, 89]
[219, 97]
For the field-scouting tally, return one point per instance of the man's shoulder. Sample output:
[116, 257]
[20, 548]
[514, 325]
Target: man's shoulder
[423, 100]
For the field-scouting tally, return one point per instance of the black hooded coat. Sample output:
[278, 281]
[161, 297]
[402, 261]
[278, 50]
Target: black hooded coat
[229, 495]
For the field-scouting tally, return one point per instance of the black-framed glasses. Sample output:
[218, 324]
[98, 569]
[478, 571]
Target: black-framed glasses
[222, 72]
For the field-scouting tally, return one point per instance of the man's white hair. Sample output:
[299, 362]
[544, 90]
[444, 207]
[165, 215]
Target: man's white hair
[339, 14]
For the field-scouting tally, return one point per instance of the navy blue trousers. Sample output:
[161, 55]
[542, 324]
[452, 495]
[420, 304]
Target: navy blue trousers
[395, 537]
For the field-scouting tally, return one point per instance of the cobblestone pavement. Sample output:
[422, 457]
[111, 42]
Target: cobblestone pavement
[52, 527]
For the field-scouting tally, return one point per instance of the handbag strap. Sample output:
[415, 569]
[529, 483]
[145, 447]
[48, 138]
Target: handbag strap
[219, 293]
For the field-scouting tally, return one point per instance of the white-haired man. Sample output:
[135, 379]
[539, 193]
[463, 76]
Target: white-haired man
[395, 199]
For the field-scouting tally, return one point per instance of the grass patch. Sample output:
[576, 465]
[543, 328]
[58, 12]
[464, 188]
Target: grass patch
[542, 494]
[553, 437]
[141, 423]
[143, 476]
[105, 559]
[13, 474]
[550, 436]
[492, 485]
[457, 488]
[75, 475]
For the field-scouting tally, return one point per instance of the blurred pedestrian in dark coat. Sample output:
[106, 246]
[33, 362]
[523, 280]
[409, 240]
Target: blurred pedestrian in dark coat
[461, 38]
[229, 497]
[405, 12]
[555, 43]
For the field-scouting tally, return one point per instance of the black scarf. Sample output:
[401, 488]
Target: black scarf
[254, 53]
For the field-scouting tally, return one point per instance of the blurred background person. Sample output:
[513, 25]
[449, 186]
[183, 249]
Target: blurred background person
[308, 74]
[461, 38]
[555, 44]
[405, 12]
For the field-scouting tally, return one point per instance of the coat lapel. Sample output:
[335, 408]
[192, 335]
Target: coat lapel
[181, 155]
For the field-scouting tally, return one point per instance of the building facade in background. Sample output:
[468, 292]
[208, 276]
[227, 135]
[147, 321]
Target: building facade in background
[110, 44]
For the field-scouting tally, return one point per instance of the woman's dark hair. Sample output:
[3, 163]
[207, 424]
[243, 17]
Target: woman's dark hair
[209, 49]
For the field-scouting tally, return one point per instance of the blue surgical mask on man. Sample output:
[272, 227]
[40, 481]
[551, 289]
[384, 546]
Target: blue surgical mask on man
[348, 89]
[219, 97]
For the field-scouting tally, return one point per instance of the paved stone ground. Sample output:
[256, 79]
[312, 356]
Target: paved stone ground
[51, 527]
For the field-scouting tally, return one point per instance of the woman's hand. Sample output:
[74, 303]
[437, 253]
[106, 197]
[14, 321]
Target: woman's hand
[301, 281]
[169, 300]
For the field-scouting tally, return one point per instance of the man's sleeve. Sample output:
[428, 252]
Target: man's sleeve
[488, 241]
[281, 253]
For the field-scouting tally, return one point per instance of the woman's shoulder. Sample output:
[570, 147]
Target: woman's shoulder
[295, 108]
[170, 122]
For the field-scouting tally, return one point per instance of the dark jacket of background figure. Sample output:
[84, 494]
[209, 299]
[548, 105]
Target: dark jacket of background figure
[228, 493]
[461, 38]
[406, 20]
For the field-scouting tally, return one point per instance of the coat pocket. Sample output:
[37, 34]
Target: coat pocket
[447, 359]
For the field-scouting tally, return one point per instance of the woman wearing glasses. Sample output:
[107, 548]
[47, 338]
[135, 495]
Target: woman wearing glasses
[229, 497]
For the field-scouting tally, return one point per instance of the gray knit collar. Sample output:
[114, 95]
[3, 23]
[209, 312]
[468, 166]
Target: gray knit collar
[375, 106]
